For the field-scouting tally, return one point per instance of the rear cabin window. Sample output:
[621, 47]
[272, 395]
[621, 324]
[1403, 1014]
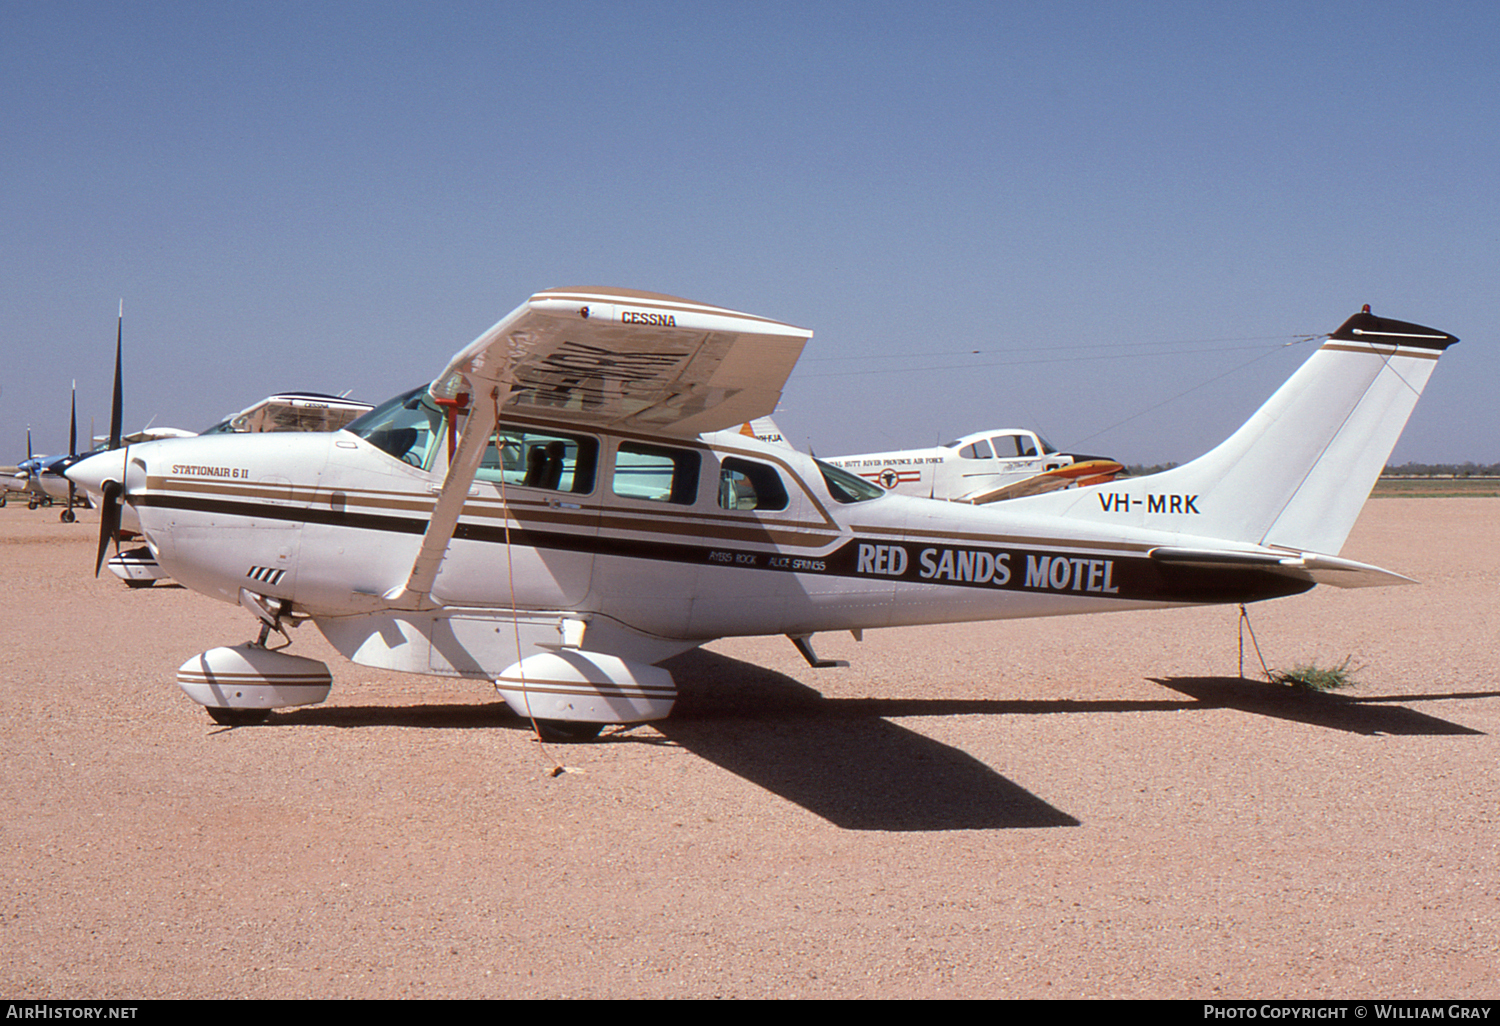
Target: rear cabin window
[747, 485]
[656, 473]
[979, 450]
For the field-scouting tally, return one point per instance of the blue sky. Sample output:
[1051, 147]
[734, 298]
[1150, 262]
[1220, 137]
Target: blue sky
[1102, 220]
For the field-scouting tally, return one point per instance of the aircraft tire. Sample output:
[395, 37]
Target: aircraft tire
[567, 731]
[237, 717]
[68, 516]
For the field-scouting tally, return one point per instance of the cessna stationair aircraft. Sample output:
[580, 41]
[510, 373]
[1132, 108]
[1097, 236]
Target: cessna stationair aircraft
[571, 502]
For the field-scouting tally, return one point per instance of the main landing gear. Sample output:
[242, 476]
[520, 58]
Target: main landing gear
[241, 684]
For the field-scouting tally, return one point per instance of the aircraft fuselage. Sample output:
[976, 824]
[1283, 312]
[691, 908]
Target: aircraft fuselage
[331, 524]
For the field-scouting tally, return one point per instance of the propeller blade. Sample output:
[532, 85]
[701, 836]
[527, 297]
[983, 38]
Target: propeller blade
[109, 521]
[115, 410]
[72, 444]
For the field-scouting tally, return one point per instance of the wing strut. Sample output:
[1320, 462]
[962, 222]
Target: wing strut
[416, 592]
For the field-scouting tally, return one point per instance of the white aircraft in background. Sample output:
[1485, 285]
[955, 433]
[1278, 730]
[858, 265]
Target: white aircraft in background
[293, 411]
[572, 501]
[987, 466]
[22, 479]
[149, 433]
[285, 411]
[42, 478]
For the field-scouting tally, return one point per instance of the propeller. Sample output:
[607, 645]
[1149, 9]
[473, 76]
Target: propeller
[109, 505]
[116, 413]
[72, 447]
[109, 521]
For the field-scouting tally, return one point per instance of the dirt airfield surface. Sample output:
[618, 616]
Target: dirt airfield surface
[1079, 807]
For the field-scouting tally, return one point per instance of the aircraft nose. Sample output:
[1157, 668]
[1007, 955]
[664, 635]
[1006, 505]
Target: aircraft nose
[91, 473]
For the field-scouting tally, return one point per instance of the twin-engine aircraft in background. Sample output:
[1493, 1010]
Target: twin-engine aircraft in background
[986, 466]
[573, 500]
[983, 467]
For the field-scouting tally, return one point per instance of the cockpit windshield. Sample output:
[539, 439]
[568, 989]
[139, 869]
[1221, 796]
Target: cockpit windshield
[847, 487]
[407, 426]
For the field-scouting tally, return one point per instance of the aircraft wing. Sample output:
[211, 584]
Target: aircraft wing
[150, 434]
[1086, 473]
[603, 358]
[298, 411]
[614, 358]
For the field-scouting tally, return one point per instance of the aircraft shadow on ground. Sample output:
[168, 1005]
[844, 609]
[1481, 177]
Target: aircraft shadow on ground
[839, 759]
[1352, 713]
[845, 761]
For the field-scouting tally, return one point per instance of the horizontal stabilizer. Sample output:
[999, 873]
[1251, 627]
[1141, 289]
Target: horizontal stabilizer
[1307, 566]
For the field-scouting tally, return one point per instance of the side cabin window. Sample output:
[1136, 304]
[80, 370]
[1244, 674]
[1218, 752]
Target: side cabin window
[657, 473]
[1013, 446]
[747, 485]
[540, 459]
[979, 450]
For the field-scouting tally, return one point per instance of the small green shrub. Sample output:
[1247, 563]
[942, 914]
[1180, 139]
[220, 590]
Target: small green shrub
[1316, 678]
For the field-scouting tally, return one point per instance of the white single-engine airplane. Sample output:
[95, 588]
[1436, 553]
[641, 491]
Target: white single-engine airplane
[572, 502]
[986, 466]
[24, 479]
[292, 411]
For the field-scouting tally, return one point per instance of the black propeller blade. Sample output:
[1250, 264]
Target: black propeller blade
[116, 411]
[109, 512]
[72, 451]
[109, 521]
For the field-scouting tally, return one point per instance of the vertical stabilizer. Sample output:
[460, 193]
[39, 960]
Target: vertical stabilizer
[1298, 472]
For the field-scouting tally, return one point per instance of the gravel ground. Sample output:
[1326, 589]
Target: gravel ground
[1078, 807]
